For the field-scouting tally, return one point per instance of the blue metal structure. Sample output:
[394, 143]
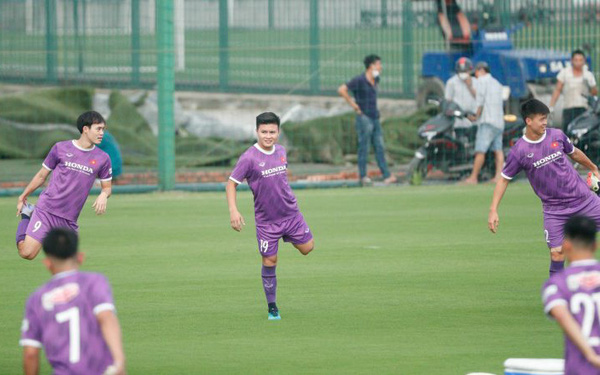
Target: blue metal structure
[511, 67]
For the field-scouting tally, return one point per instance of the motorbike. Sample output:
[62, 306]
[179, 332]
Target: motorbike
[584, 130]
[451, 148]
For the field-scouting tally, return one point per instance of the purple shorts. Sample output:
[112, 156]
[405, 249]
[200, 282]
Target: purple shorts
[294, 230]
[42, 222]
[554, 223]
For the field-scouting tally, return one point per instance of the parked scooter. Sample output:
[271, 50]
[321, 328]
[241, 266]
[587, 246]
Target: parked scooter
[584, 130]
[451, 149]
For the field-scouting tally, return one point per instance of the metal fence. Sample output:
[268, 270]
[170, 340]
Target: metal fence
[284, 46]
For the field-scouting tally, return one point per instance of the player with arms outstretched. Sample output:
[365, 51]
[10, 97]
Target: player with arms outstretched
[572, 298]
[72, 316]
[542, 154]
[75, 165]
[264, 166]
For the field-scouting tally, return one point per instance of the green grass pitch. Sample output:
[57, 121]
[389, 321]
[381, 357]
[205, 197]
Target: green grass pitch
[402, 281]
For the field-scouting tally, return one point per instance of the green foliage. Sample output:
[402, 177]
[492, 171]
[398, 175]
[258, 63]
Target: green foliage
[137, 143]
[322, 140]
[54, 106]
[333, 139]
[59, 105]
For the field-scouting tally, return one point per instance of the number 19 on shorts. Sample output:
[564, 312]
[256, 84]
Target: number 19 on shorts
[264, 246]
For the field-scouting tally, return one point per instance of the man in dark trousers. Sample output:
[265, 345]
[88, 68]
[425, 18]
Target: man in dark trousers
[364, 88]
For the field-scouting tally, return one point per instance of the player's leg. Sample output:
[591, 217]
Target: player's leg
[364, 128]
[29, 243]
[29, 248]
[268, 241]
[305, 248]
[26, 212]
[553, 231]
[297, 232]
[592, 210]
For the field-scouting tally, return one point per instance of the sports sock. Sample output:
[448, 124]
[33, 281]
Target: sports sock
[269, 280]
[556, 266]
[22, 228]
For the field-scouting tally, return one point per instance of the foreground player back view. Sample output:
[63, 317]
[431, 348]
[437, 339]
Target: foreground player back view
[72, 316]
[572, 297]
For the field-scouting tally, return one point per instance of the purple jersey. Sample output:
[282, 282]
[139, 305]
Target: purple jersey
[74, 171]
[266, 173]
[550, 173]
[61, 317]
[577, 288]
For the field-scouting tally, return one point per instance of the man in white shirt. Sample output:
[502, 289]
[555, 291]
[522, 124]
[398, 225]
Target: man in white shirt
[575, 82]
[460, 87]
[490, 114]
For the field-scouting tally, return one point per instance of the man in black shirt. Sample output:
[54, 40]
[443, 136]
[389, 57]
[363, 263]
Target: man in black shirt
[364, 88]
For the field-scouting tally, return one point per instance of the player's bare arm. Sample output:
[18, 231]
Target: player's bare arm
[111, 331]
[236, 219]
[571, 328]
[493, 219]
[579, 157]
[31, 360]
[36, 182]
[100, 202]
[343, 91]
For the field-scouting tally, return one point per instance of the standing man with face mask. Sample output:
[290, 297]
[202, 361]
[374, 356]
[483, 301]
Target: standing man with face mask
[364, 88]
[574, 81]
[460, 87]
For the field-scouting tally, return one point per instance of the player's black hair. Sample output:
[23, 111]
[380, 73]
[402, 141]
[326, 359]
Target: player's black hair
[267, 118]
[88, 119]
[371, 59]
[582, 230]
[533, 107]
[60, 243]
[578, 52]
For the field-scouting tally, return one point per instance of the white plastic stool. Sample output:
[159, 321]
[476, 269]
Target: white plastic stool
[534, 366]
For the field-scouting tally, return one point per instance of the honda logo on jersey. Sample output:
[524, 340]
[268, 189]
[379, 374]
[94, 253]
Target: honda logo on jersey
[283, 159]
[554, 144]
[78, 167]
[548, 159]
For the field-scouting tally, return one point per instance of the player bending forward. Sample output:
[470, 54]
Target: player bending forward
[75, 165]
[542, 154]
[572, 298]
[264, 166]
[72, 316]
